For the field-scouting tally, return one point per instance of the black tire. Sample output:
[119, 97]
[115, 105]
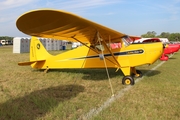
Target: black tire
[128, 80]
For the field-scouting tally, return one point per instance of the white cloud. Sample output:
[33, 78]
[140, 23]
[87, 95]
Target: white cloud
[10, 10]
[80, 4]
[8, 4]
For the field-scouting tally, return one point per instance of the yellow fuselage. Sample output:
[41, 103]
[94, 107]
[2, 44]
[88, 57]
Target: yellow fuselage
[83, 57]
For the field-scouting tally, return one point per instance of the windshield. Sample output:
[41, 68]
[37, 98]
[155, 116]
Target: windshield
[127, 40]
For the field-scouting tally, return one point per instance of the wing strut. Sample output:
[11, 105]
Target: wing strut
[91, 48]
[99, 40]
[104, 43]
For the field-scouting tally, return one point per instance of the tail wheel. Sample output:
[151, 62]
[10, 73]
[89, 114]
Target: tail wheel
[128, 80]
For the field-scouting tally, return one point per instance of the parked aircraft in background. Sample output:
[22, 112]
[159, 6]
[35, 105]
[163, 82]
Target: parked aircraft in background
[170, 49]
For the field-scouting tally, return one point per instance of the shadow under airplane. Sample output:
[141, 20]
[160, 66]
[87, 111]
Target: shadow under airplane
[37, 103]
[98, 74]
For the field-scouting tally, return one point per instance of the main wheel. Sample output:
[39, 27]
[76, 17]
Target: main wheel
[128, 80]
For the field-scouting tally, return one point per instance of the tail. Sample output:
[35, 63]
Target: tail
[37, 52]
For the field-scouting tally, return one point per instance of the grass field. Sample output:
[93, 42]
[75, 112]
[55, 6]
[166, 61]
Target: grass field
[68, 94]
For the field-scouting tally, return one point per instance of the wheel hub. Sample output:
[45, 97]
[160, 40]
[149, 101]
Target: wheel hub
[128, 81]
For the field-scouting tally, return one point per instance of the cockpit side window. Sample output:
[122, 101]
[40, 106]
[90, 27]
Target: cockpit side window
[127, 40]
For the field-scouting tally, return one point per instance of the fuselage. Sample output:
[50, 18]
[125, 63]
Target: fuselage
[84, 57]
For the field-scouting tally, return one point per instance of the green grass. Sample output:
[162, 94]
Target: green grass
[156, 97]
[28, 94]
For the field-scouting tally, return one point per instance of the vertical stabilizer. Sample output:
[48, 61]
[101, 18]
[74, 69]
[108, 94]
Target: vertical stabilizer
[37, 50]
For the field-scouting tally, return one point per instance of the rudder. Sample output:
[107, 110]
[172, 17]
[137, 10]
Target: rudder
[37, 50]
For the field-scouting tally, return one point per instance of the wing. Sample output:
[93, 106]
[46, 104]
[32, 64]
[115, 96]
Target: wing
[64, 26]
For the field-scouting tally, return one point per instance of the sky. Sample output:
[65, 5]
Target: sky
[132, 17]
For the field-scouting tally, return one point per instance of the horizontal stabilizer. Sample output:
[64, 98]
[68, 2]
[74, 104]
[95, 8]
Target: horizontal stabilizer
[28, 63]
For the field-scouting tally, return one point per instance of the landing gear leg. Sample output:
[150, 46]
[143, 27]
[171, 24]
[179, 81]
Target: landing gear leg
[127, 79]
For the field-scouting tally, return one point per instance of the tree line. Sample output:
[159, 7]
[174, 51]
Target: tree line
[6, 38]
[170, 36]
[149, 34]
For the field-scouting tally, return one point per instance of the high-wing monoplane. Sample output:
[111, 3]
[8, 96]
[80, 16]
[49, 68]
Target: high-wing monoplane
[102, 47]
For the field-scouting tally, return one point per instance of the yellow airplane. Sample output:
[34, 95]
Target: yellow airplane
[102, 46]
